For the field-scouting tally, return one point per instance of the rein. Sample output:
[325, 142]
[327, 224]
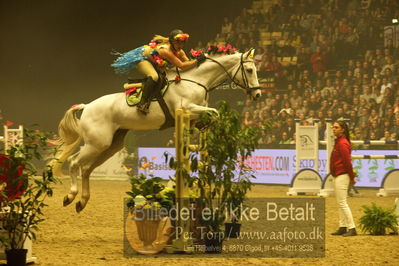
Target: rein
[231, 77]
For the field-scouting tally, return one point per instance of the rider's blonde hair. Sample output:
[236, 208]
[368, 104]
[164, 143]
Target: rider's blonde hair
[161, 39]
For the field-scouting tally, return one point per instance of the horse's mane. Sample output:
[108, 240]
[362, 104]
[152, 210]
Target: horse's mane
[219, 55]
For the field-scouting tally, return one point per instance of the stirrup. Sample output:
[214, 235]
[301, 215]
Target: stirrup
[143, 107]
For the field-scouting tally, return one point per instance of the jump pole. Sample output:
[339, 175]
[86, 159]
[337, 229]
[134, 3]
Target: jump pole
[182, 243]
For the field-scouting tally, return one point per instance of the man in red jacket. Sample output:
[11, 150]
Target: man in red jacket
[318, 60]
[342, 171]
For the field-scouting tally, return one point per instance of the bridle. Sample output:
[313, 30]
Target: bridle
[232, 78]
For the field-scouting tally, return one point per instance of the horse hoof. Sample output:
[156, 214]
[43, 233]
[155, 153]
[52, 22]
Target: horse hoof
[201, 125]
[66, 201]
[79, 207]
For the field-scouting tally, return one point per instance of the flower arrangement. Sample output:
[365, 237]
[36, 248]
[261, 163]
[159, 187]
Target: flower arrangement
[220, 49]
[149, 194]
[214, 50]
[13, 183]
[23, 190]
[195, 54]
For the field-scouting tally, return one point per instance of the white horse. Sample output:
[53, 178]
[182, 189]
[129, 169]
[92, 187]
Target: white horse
[105, 121]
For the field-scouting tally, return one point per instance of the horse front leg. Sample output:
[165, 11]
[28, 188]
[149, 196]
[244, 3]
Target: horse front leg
[196, 110]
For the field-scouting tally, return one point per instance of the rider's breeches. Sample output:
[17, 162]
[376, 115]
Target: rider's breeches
[146, 68]
[341, 183]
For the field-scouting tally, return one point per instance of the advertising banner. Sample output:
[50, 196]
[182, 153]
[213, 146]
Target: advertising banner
[277, 166]
[113, 168]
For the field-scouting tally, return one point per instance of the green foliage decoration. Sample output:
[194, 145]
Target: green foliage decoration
[22, 213]
[149, 193]
[224, 180]
[376, 220]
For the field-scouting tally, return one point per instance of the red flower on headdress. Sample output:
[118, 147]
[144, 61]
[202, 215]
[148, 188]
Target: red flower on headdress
[153, 44]
[181, 37]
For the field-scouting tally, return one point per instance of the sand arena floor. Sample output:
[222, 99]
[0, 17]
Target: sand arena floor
[95, 236]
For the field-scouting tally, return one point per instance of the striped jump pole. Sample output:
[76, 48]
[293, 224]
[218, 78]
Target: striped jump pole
[389, 184]
[375, 142]
[375, 156]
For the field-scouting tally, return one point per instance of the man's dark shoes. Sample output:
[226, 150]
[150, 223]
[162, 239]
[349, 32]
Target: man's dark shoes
[340, 231]
[351, 232]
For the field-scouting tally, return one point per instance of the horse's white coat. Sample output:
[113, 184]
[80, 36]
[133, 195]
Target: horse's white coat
[105, 121]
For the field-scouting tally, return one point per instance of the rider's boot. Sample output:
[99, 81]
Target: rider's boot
[149, 87]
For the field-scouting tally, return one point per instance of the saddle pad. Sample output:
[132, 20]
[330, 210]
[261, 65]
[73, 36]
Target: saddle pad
[133, 95]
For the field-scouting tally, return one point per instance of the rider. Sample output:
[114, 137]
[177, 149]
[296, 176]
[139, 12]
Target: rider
[153, 59]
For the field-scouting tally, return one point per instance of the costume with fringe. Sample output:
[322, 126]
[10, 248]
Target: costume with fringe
[126, 61]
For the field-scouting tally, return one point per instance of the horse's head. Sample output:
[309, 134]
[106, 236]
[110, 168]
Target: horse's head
[245, 75]
[237, 67]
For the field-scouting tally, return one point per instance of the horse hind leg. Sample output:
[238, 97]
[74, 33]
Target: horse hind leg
[73, 172]
[87, 168]
[86, 157]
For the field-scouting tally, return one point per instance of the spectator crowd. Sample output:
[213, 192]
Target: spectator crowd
[343, 67]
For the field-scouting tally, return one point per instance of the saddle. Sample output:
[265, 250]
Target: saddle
[133, 92]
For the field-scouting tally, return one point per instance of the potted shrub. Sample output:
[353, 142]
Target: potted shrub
[224, 180]
[23, 193]
[149, 203]
[377, 220]
[235, 200]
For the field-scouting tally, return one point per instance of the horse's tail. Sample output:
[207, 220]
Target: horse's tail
[69, 138]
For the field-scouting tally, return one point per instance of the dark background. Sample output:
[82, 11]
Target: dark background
[56, 53]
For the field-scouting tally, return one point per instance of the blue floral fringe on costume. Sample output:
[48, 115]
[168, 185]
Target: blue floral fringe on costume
[126, 61]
